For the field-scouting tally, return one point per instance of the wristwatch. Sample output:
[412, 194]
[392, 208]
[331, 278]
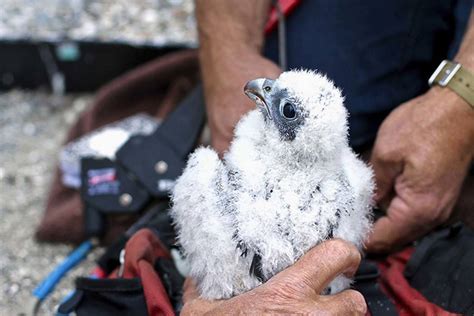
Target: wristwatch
[454, 76]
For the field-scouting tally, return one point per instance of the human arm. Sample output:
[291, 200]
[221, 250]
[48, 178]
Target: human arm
[421, 157]
[295, 290]
[231, 37]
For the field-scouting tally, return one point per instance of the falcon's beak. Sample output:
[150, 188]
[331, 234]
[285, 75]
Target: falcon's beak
[257, 90]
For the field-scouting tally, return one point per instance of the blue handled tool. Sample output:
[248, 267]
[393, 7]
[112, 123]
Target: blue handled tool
[49, 283]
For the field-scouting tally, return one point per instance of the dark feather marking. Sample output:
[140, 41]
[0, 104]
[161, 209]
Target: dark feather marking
[256, 268]
[240, 244]
[268, 191]
[330, 234]
[234, 179]
[318, 188]
[243, 248]
[338, 214]
[335, 225]
[307, 202]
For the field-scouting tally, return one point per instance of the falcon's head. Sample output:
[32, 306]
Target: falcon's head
[303, 110]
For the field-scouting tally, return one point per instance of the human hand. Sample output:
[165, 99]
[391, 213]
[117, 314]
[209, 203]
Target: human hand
[295, 290]
[421, 156]
[225, 99]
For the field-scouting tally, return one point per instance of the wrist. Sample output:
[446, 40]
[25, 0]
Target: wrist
[231, 24]
[237, 41]
[225, 57]
[222, 68]
[455, 109]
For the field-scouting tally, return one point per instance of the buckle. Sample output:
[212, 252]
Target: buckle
[445, 71]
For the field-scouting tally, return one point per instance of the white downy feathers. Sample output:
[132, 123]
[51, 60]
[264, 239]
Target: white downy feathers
[288, 182]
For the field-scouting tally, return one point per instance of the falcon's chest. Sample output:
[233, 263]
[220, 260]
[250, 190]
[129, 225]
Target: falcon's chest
[286, 201]
[288, 214]
[286, 193]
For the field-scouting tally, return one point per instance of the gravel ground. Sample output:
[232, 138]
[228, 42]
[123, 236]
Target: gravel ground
[133, 21]
[33, 125]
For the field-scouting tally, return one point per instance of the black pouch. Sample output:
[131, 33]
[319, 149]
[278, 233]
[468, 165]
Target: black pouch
[108, 189]
[442, 269]
[172, 281]
[106, 297]
[159, 158]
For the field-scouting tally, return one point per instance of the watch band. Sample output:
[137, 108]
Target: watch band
[457, 78]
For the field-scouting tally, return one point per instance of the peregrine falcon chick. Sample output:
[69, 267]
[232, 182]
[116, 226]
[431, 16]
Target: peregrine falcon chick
[288, 182]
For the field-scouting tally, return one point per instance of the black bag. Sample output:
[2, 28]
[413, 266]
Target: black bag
[442, 269]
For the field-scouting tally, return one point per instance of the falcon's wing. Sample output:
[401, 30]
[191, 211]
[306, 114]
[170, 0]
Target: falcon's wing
[360, 179]
[204, 224]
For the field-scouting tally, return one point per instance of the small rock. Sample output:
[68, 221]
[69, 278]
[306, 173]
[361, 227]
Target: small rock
[13, 289]
[29, 129]
[10, 179]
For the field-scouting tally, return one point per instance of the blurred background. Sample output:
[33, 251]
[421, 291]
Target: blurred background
[53, 55]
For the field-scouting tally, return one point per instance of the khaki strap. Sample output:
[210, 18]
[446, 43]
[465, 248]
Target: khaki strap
[463, 84]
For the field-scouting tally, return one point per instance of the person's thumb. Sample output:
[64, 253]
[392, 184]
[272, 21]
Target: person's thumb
[319, 266]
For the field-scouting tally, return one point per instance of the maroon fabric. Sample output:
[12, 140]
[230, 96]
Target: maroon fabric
[154, 88]
[141, 252]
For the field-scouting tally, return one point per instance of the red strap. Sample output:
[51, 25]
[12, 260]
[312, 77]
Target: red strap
[407, 299]
[141, 252]
[287, 7]
[144, 245]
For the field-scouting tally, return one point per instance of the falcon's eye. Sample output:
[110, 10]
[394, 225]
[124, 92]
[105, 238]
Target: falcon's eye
[288, 110]
[267, 89]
